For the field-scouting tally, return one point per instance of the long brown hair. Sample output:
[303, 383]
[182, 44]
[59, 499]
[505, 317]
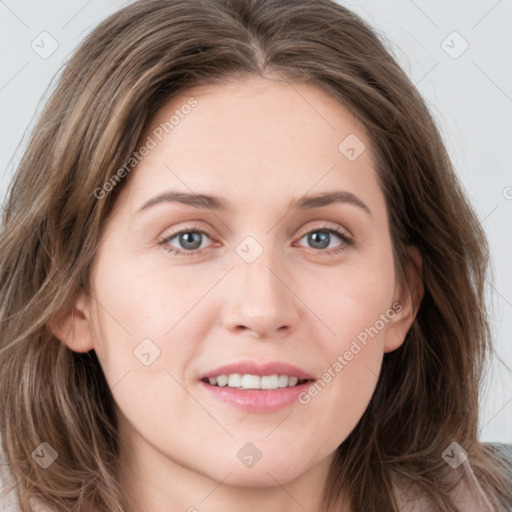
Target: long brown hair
[133, 62]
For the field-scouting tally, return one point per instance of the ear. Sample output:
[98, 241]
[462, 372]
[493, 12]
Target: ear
[407, 301]
[73, 326]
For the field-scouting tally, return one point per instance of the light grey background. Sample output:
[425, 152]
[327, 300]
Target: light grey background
[469, 92]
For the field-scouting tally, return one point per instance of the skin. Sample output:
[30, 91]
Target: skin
[259, 144]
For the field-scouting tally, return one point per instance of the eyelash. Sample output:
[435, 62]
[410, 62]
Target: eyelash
[347, 241]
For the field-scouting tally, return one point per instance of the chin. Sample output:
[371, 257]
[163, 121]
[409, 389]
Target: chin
[267, 468]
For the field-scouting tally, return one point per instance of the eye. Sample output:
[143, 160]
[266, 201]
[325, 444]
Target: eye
[189, 239]
[321, 238]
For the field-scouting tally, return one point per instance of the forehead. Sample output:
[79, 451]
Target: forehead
[254, 138]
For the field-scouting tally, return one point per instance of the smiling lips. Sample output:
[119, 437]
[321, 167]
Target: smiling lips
[257, 388]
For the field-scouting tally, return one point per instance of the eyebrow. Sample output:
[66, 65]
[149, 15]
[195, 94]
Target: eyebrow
[208, 202]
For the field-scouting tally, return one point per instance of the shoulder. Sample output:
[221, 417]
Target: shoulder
[504, 455]
[467, 492]
[9, 501]
[470, 490]
[8, 496]
[503, 449]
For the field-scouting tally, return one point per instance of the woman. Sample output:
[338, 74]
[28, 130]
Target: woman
[320, 348]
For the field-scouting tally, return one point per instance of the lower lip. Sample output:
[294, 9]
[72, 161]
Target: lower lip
[258, 400]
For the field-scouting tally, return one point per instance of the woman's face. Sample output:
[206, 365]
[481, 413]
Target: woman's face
[260, 285]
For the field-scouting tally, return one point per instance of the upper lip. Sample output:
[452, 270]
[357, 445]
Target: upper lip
[252, 368]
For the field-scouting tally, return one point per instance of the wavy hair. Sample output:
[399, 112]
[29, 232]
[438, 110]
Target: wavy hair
[121, 74]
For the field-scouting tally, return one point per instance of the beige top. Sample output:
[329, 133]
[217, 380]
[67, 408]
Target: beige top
[467, 495]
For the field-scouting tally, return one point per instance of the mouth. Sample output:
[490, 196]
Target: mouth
[257, 388]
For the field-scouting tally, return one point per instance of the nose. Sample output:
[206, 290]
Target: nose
[261, 301]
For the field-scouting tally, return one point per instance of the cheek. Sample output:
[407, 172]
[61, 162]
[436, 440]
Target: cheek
[354, 304]
[145, 299]
[147, 333]
[134, 321]
[358, 311]
[347, 383]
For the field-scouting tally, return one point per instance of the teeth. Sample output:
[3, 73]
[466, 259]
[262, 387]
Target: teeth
[282, 381]
[246, 381]
[251, 382]
[222, 380]
[235, 380]
[271, 381]
[292, 381]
